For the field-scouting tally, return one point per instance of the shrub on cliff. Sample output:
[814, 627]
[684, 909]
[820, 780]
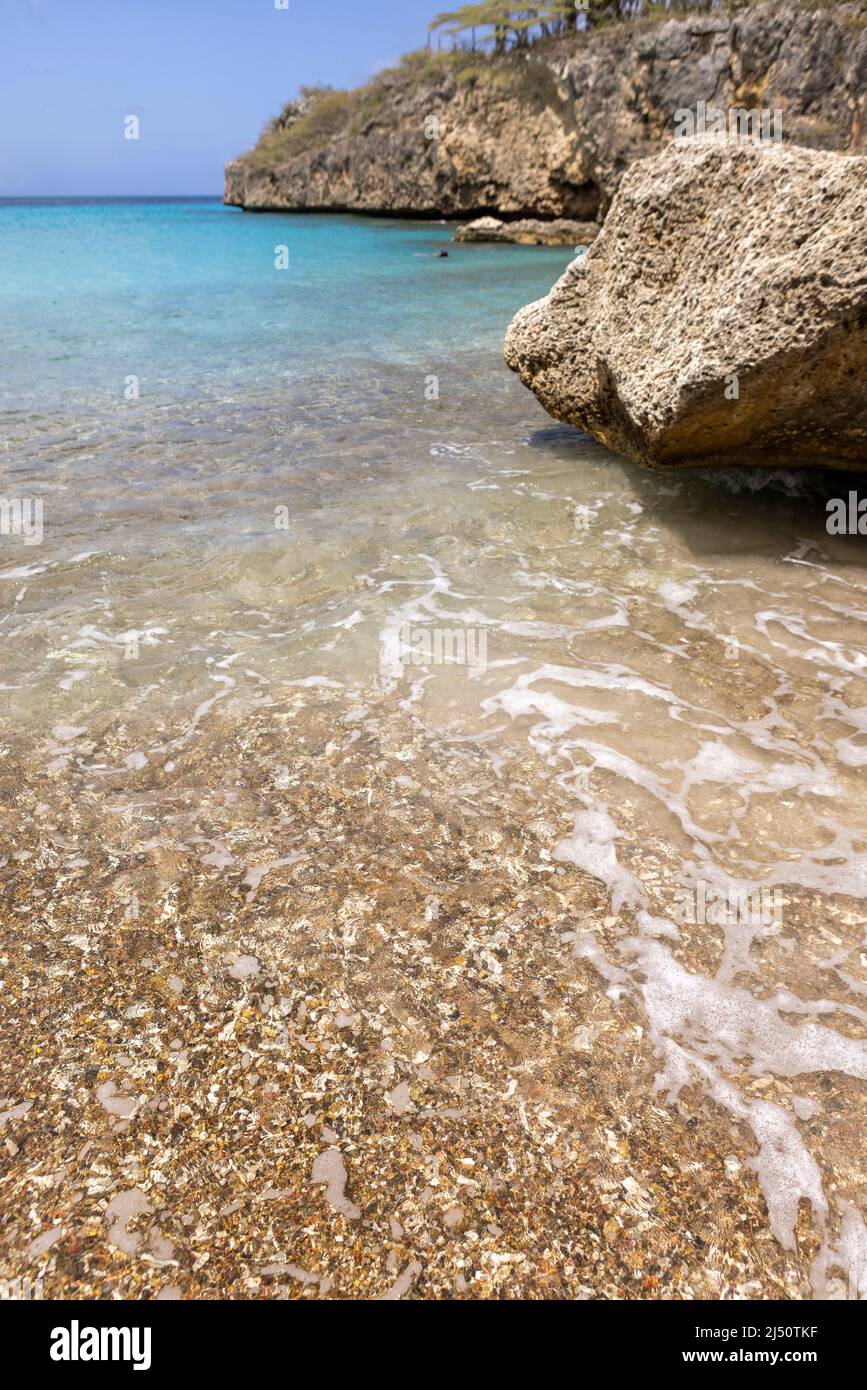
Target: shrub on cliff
[322, 114]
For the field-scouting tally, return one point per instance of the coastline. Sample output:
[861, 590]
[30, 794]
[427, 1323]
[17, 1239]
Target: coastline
[532, 133]
[269, 898]
[433, 843]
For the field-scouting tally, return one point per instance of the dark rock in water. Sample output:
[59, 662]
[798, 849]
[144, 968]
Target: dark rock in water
[441, 255]
[721, 315]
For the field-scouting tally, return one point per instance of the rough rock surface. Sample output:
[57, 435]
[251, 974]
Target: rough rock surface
[549, 133]
[722, 271]
[529, 231]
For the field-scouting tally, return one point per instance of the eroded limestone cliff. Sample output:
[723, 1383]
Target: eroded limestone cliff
[549, 132]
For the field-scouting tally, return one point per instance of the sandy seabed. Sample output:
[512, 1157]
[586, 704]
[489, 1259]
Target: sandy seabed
[370, 1067]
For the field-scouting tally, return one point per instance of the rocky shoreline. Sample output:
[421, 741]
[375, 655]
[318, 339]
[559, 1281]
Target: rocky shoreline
[550, 132]
[719, 316]
[560, 231]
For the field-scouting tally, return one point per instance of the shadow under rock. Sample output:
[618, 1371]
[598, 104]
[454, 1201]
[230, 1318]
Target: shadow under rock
[742, 510]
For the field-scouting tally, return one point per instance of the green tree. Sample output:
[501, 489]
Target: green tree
[506, 21]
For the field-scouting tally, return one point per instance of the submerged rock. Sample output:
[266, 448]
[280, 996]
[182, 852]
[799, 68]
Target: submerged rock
[560, 231]
[721, 315]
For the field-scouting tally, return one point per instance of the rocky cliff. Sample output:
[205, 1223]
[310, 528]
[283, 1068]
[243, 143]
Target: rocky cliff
[549, 131]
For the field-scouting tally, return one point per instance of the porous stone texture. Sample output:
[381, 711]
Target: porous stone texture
[550, 131]
[721, 315]
[560, 231]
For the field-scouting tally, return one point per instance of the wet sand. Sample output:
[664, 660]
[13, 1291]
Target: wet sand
[405, 994]
[331, 973]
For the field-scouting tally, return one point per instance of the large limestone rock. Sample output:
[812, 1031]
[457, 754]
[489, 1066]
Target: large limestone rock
[528, 231]
[721, 315]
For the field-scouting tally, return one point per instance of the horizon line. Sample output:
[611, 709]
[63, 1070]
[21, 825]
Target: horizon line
[101, 197]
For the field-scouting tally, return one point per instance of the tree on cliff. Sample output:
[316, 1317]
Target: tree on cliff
[517, 25]
[509, 22]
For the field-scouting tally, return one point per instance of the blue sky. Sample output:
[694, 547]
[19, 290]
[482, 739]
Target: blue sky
[202, 76]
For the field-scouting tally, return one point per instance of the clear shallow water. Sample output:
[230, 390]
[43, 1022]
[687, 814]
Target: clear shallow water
[673, 671]
[187, 296]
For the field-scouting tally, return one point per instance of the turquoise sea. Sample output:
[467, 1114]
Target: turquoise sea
[186, 295]
[154, 354]
[264, 487]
